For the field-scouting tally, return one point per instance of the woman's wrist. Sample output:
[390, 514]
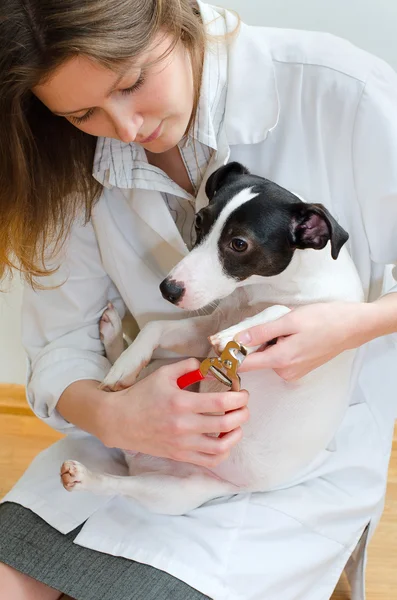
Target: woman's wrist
[373, 320]
[386, 314]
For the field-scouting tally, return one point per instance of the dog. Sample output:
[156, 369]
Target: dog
[260, 252]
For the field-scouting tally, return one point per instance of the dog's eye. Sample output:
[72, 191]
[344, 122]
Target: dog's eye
[198, 221]
[239, 245]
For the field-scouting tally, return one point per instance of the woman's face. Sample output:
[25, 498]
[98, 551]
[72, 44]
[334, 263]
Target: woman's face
[148, 105]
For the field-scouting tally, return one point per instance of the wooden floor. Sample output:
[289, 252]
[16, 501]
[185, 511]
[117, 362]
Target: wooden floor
[22, 436]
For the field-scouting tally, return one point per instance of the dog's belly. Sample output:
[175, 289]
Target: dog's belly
[290, 424]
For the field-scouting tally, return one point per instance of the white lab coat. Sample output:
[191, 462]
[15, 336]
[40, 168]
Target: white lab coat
[319, 117]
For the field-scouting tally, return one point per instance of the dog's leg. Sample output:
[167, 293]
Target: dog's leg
[220, 339]
[111, 333]
[156, 491]
[177, 336]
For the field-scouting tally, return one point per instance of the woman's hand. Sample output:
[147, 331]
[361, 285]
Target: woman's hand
[155, 417]
[310, 336]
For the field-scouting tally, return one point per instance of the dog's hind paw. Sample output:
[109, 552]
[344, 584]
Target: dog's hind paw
[73, 474]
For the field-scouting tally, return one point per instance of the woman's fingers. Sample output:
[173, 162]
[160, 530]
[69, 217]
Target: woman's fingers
[220, 423]
[273, 357]
[217, 402]
[266, 332]
[211, 451]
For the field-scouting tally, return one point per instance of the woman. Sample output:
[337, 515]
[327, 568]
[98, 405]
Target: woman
[157, 95]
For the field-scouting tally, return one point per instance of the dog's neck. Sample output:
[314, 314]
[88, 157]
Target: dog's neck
[311, 276]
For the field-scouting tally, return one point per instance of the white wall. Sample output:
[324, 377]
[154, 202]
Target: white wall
[371, 24]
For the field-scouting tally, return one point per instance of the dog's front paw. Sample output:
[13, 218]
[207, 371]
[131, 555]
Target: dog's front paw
[111, 333]
[222, 338]
[110, 325]
[128, 366]
[73, 475]
[124, 372]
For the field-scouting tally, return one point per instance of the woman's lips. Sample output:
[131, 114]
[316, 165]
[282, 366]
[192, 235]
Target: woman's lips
[153, 136]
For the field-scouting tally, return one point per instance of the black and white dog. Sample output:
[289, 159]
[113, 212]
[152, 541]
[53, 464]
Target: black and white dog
[260, 249]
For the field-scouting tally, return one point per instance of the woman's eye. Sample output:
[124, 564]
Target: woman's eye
[83, 119]
[239, 245]
[137, 85]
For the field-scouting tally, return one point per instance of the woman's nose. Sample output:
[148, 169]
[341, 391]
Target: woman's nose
[127, 126]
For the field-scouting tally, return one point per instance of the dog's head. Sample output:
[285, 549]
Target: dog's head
[251, 227]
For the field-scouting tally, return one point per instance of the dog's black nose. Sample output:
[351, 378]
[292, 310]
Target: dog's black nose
[172, 290]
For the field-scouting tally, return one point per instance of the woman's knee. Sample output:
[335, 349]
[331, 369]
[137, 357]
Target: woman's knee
[19, 586]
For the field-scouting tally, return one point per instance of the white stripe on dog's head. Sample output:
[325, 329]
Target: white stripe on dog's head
[213, 237]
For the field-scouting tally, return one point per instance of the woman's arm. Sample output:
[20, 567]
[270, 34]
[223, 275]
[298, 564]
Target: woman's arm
[85, 405]
[155, 417]
[60, 326]
[310, 336]
[384, 317]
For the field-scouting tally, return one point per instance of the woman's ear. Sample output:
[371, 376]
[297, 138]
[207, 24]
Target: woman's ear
[222, 176]
[312, 226]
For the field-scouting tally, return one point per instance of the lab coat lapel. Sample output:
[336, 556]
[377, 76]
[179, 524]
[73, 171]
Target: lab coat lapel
[219, 158]
[147, 225]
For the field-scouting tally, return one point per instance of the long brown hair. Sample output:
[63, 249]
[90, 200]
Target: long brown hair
[45, 162]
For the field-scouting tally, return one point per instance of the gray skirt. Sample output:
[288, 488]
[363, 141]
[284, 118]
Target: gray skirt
[33, 547]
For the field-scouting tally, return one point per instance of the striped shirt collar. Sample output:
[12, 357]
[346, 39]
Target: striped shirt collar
[125, 165]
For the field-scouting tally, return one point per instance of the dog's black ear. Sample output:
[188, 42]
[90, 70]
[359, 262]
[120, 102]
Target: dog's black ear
[222, 176]
[313, 226]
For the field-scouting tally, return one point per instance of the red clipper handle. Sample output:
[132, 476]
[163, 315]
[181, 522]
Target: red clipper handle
[189, 378]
